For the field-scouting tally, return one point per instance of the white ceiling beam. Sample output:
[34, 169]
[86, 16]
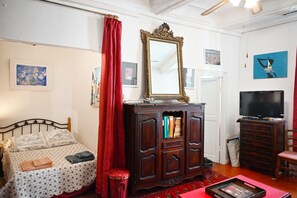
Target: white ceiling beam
[165, 6]
[96, 6]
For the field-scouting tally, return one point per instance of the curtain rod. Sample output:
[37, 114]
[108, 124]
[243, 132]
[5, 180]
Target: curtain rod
[82, 9]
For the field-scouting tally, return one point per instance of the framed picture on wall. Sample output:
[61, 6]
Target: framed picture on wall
[95, 87]
[271, 65]
[129, 74]
[30, 75]
[189, 78]
[212, 57]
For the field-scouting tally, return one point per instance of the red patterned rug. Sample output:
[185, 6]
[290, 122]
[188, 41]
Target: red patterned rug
[187, 186]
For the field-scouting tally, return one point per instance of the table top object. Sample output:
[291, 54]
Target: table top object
[235, 188]
[270, 191]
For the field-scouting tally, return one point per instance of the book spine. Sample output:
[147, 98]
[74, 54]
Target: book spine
[171, 126]
[177, 131]
[166, 127]
[174, 125]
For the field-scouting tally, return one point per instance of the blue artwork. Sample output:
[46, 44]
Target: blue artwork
[272, 65]
[31, 75]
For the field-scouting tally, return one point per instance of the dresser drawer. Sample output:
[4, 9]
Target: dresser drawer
[256, 127]
[258, 148]
[253, 155]
[256, 135]
[258, 141]
[172, 143]
[256, 163]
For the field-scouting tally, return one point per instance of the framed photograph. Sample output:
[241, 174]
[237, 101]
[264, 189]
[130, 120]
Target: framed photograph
[271, 65]
[189, 78]
[212, 57]
[30, 75]
[129, 74]
[95, 87]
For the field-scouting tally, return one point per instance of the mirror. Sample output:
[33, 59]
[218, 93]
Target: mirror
[163, 64]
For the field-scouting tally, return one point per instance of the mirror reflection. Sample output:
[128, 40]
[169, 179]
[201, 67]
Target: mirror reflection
[164, 67]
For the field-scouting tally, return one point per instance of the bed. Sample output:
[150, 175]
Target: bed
[61, 178]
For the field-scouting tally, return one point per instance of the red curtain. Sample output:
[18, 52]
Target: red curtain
[295, 102]
[111, 149]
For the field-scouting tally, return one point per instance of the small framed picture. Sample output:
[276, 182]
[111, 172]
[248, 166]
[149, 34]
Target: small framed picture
[95, 87]
[129, 74]
[189, 78]
[212, 57]
[30, 75]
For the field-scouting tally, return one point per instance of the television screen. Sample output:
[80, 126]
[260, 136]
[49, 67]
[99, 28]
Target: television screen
[262, 104]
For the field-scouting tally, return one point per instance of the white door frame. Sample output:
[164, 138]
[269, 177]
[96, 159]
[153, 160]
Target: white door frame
[219, 75]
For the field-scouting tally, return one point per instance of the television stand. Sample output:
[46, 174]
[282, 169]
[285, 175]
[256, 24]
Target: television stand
[260, 142]
[251, 118]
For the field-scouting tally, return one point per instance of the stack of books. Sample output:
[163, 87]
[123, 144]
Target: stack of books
[171, 126]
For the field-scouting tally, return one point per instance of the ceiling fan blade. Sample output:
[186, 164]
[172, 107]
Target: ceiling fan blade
[257, 8]
[215, 7]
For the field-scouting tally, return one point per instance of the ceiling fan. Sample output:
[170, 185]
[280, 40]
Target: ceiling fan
[254, 5]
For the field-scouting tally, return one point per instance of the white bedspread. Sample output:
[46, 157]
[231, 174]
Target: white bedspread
[62, 177]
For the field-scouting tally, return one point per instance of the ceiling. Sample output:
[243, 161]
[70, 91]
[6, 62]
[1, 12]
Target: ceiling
[188, 12]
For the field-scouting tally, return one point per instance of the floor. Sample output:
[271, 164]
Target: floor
[288, 184]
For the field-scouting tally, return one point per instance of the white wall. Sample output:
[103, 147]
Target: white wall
[69, 97]
[59, 26]
[45, 23]
[274, 39]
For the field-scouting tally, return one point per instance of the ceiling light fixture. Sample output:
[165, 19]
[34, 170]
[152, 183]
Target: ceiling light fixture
[250, 3]
[256, 9]
[253, 5]
[235, 2]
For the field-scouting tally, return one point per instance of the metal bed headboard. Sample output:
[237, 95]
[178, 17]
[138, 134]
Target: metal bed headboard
[32, 124]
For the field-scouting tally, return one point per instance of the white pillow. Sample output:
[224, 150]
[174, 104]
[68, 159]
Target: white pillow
[59, 137]
[6, 144]
[28, 142]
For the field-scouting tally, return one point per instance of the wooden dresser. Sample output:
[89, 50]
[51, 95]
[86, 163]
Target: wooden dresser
[155, 159]
[260, 142]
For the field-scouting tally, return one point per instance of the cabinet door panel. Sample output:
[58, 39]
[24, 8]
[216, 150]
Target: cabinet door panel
[148, 135]
[148, 165]
[195, 158]
[146, 155]
[173, 163]
[195, 137]
[195, 128]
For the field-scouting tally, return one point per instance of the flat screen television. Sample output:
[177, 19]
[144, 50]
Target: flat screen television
[262, 104]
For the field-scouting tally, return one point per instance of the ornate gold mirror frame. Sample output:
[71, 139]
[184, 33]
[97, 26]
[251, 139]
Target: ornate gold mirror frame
[163, 65]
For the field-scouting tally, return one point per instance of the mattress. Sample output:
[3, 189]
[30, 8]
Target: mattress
[62, 177]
